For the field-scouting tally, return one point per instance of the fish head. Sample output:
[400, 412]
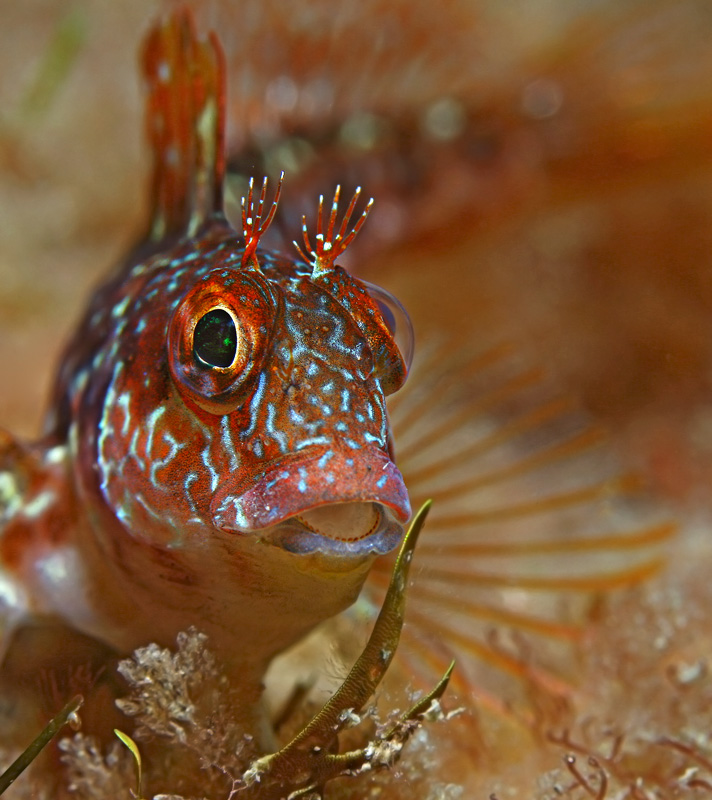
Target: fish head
[250, 402]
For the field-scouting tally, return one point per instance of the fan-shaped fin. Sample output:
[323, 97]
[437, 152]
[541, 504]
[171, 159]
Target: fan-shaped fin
[532, 521]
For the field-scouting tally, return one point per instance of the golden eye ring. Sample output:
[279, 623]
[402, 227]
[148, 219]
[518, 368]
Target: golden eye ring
[218, 337]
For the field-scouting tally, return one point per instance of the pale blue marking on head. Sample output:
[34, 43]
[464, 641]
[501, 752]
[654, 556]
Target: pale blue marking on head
[123, 401]
[311, 441]
[302, 485]
[228, 443]
[324, 460]
[174, 447]
[214, 477]
[133, 448]
[255, 405]
[151, 422]
[190, 479]
[279, 436]
[295, 416]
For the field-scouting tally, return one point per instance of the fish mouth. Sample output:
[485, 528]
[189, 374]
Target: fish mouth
[334, 503]
[338, 529]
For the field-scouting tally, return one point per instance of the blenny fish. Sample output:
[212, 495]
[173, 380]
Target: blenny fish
[218, 452]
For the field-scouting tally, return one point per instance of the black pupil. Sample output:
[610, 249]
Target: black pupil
[215, 338]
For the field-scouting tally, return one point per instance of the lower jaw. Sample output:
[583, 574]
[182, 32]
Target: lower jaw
[293, 537]
[305, 542]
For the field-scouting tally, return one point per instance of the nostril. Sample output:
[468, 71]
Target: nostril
[343, 521]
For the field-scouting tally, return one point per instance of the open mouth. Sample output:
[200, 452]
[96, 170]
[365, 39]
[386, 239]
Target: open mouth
[337, 503]
[356, 528]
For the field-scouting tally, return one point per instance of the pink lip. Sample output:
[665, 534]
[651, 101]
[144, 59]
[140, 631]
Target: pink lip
[338, 476]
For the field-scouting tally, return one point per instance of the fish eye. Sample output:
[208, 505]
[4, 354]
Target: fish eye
[218, 338]
[215, 339]
[396, 319]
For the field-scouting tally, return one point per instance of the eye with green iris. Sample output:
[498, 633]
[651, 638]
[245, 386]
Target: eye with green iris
[215, 338]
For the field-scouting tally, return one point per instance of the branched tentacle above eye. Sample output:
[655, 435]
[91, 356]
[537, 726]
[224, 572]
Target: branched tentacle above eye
[329, 247]
[253, 226]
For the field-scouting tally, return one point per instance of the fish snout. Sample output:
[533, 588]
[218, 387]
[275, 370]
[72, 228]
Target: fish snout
[343, 501]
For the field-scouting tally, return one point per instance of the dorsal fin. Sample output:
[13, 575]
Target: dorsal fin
[186, 126]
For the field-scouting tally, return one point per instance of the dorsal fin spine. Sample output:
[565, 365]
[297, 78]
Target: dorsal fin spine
[186, 127]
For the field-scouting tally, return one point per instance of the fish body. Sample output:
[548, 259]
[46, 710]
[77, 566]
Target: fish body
[218, 452]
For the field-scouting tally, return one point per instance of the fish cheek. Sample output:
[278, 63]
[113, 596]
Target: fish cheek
[134, 450]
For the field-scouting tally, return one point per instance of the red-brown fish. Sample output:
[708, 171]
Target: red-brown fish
[219, 450]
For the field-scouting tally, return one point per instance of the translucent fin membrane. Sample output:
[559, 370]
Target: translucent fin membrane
[397, 320]
[532, 520]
